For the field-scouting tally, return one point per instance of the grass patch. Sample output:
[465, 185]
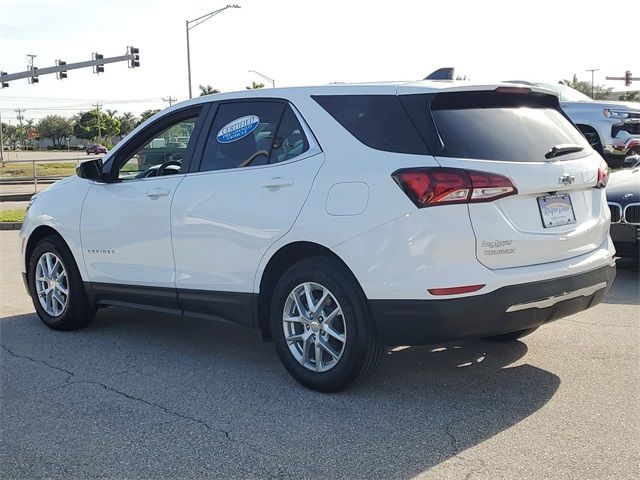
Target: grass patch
[12, 216]
[60, 169]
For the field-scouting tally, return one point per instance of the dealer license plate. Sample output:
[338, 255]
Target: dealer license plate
[556, 210]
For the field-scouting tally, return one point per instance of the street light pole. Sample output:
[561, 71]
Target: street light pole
[189, 24]
[273, 82]
[592, 70]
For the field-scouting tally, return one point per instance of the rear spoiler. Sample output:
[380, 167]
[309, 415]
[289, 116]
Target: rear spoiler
[441, 74]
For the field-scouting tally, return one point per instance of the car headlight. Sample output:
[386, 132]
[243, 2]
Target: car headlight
[615, 113]
[31, 200]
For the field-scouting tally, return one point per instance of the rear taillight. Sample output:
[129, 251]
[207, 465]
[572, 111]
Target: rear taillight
[603, 175]
[428, 187]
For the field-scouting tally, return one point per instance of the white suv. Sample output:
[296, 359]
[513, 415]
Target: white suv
[337, 219]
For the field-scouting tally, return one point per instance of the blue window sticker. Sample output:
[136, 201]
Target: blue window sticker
[238, 128]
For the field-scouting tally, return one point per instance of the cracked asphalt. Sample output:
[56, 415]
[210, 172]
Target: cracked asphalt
[144, 395]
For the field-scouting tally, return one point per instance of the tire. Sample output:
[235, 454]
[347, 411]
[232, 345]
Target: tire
[342, 323]
[59, 311]
[511, 336]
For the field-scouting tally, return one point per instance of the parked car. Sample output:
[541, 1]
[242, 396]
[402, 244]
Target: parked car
[338, 220]
[612, 127]
[96, 149]
[623, 196]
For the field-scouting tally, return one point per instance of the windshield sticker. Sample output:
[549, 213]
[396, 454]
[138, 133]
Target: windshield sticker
[238, 128]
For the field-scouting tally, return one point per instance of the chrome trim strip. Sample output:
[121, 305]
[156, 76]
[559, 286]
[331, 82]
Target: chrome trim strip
[549, 302]
[616, 204]
[624, 213]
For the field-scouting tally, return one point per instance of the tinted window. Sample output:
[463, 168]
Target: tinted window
[378, 121]
[290, 140]
[502, 126]
[242, 135]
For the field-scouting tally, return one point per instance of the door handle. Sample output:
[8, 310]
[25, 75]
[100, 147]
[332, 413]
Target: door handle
[277, 182]
[156, 193]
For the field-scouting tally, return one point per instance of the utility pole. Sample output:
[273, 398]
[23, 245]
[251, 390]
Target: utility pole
[592, 70]
[98, 105]
[169, 100]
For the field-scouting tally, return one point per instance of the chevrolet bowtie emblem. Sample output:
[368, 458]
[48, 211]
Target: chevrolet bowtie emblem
[567, 179]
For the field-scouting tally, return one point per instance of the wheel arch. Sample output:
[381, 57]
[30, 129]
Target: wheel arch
[590, 130]
[38, 234]
[279, 262]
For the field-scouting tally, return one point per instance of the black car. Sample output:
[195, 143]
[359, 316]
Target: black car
[623, 196]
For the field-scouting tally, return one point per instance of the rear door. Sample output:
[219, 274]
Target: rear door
[257, 169]
[557, 212]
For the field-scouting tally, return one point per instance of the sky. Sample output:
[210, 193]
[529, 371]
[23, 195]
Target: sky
[298, 43]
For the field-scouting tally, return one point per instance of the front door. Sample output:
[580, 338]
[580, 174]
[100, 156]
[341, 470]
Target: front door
[125, 224]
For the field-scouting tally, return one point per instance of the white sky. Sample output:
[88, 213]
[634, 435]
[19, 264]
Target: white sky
[301, 43]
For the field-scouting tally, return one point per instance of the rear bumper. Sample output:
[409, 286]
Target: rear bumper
[511, 308]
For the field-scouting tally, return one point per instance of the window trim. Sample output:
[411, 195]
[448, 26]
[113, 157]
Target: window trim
[196, 163]
[122, 155]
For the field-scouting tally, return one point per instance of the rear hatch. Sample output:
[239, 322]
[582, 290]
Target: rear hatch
[557, 212]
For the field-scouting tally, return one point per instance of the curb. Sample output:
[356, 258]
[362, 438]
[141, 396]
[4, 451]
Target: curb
[19, 197]
[10, 226]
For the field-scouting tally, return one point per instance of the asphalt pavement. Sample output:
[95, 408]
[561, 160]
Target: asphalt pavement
[145, 395]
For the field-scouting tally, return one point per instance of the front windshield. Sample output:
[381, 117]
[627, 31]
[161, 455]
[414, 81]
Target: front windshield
[567, 94]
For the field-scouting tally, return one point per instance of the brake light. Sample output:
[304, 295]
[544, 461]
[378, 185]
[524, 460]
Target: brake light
[520, 90]
[603, 175]
[428, 187]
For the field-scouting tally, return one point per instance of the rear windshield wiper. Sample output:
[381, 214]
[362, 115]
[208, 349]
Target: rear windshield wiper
[563, 149]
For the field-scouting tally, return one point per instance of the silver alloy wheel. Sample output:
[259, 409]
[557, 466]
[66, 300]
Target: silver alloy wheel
[52, 284]
[314, 327]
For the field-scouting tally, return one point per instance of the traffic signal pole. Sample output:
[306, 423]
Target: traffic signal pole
[130, 57]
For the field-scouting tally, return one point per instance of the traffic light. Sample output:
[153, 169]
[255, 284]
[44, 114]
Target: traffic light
[34, 75]
[63, 73]
[3, 84]
[100, 67]
[134, 61]
[627, 78]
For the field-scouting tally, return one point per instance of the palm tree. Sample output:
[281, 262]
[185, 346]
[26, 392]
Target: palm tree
[207, 90]
[255, 85]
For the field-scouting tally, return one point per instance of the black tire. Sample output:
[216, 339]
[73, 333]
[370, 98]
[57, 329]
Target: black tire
[361, 352]
[78, 312]
[512, 336]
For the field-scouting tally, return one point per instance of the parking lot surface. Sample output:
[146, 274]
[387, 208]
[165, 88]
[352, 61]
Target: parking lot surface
[145, 395]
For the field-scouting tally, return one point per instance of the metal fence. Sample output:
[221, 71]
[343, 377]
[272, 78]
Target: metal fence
[29, 184]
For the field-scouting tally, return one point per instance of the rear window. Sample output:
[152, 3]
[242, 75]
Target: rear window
[378, 121]
[502, 126]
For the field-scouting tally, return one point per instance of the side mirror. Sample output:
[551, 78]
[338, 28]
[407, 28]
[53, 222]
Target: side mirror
[91, 170]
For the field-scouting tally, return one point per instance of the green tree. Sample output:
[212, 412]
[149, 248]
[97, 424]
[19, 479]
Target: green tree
[147, 114]
[255, 85]
[600, 92]
[93, 125]
[207, 90]
[56, 128]
[631, 96]
[128, 121]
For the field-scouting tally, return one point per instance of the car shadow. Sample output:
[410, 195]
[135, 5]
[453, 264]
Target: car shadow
[215, 394]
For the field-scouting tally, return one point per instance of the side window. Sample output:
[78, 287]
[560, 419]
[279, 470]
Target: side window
[242, 135]
[378, 121]
[290, 140]
[161, 153]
